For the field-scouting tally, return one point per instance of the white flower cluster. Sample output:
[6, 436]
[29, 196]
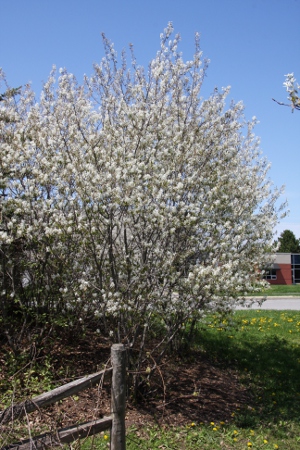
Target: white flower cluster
[129, 195]
[292, 88]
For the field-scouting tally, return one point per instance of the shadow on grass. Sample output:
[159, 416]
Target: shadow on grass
[269, 367]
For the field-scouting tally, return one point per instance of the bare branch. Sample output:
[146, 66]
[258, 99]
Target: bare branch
[281, 103]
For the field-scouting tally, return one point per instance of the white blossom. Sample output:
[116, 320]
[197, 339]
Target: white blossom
[130, 188]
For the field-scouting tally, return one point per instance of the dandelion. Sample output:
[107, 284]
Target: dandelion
[193, 424]
[215, 428]
[249, 444]
[265, 441]
[105, 437]
[275, 447]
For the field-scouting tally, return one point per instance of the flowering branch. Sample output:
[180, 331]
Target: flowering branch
[292, 88]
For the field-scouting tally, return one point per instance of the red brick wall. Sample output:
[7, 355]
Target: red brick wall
[284, 275]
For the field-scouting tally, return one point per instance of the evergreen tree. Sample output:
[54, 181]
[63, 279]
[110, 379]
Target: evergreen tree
[288, 243]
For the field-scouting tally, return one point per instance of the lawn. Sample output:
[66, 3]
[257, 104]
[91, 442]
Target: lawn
[260, 352]
[282, 290]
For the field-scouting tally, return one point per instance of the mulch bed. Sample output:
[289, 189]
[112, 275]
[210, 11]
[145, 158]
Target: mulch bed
[181, 391]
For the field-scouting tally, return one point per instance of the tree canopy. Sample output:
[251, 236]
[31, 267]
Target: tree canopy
[288, 243]
[129, 198]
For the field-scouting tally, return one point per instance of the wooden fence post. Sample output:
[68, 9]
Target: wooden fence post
[118, 397]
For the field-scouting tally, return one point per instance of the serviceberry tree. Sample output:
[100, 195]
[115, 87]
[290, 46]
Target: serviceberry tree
[130, 198]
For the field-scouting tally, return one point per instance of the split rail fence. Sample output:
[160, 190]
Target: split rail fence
[115, 422]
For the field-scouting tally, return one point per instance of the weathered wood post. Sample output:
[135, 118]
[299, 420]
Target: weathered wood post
[118, 397]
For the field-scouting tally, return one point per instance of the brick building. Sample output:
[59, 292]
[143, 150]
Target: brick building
[285, 269]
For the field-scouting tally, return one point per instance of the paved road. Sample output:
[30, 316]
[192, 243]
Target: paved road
[278, 303]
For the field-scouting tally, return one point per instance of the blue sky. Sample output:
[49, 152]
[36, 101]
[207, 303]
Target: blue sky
[251, 44]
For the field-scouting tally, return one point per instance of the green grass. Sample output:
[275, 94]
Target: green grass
[281, 289]
[263, 346]
[198, 436]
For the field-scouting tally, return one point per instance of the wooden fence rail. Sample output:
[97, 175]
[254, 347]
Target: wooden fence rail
[115, 422]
